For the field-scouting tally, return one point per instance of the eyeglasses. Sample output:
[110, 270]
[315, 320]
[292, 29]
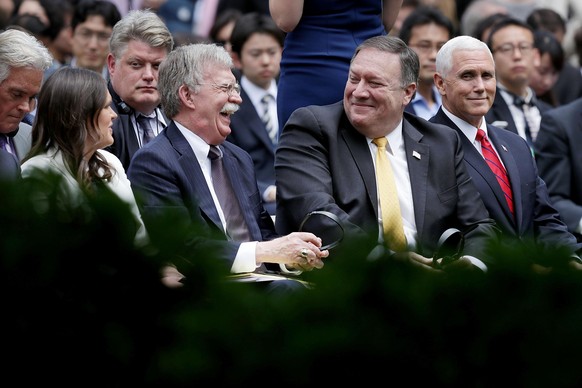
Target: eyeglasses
[509, 48]
[228, 89]
[427, 47]
[86, 35]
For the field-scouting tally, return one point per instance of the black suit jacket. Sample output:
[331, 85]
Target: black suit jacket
[568, 87]
[166, 177]
[324, 163]
[499, 112]
[535, 219]
[249, 133]
[559, 159]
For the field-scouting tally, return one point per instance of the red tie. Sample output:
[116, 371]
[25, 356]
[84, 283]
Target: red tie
[495, 165]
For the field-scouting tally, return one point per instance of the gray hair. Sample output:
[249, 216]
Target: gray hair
[21, 49]
[409, 63]
[186, 66]
[141, 25]
[444, 58]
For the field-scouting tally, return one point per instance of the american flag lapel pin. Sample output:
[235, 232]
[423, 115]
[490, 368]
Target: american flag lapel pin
[416, 155]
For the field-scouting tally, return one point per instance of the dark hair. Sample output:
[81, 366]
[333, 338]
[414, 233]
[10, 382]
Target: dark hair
[546, 19]
[546, 42]
[86, 8]
[409, 62]
[486, 23]
[507, 22]
[425, 15]
[56, 12]
[28, 23]
[253, 23]
[69, 104]
[222, 19]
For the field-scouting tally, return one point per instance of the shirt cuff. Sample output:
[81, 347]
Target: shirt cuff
[245, 260]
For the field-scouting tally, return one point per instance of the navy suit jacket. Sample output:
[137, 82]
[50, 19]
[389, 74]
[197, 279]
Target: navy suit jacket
[166, 177]
[249, 133]
[324, 163]
[536, 219]
[9, 166]
[559, 159]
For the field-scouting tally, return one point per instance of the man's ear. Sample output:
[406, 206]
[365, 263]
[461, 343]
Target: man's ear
[186, 95]
[110, 63]
[439, 83]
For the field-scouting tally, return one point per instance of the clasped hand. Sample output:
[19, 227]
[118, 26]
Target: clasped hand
[297, 250]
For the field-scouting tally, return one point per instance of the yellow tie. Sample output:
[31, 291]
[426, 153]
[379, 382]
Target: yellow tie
[391, 217]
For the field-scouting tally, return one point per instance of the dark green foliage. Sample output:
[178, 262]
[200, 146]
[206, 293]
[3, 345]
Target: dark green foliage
[81, 306]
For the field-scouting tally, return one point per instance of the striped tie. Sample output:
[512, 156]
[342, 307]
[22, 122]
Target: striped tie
[495, 165]
[266, 118]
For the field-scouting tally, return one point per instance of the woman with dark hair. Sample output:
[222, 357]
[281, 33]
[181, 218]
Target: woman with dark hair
[551, 63]
[73, 125]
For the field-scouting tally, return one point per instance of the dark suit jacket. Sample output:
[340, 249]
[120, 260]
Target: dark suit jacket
[499, 111]
[9, 166]
[568, 87]
[535, 217]
[166, 177]
[125, 142]
[559, 159]
[324, 163]
[249, 133]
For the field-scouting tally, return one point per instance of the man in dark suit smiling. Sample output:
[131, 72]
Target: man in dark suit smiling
[334, 148]
[518, 201]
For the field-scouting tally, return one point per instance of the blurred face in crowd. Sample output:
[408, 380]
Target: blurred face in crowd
[426, 40]
[468, 90]
[260, 59]
[545, 75]
[374, 99]
[17, 96]
[91, 43]
[33, 7]
[515, 56]
[134, 76]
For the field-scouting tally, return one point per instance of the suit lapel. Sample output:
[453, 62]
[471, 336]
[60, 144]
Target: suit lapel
[360, 151]
[510, 163]
[194, 173]
[417, 158]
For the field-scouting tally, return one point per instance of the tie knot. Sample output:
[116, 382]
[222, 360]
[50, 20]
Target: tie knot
[480, 135]
[380, 142]
[214, 152]
[520, 102]
[266, 98]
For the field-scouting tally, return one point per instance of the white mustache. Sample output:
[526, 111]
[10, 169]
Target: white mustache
[230, 108]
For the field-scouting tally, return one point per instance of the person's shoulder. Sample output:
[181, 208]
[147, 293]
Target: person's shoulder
[426, 126]
[111, 159]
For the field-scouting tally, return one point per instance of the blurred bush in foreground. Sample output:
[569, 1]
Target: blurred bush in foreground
[81, 306]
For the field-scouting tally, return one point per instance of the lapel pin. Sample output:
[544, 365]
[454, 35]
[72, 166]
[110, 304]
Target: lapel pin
[504, 149]
[416, 155]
